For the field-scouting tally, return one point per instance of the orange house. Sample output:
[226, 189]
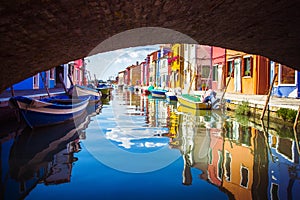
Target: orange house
[248, 73]
[245, 170]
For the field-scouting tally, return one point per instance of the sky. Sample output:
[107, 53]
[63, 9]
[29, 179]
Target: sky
[108, 64]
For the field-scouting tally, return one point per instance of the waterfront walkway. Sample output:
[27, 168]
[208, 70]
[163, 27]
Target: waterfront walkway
[5, 95]
[259, 100]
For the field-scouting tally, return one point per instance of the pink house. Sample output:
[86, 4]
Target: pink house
[76, 71]
[218, 63]
[144, 74]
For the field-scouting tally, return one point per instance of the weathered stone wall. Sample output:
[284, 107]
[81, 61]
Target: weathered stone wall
[39, 34]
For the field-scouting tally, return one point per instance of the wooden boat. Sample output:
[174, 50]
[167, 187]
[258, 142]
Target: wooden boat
[171, 96]
[130, 88]
[159, 93]
[48, 111]
[78, 91]
[192, 111]
[104, 89]
[193, 101]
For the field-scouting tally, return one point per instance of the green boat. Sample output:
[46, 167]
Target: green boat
[105, 89]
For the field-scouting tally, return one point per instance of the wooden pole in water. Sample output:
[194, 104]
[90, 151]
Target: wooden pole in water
[191, 83]
[266, 139]
[268, 98]
[12, 91]
[296, 119]
[45, 84]
[227, 84]
[62, 81]
[295, 129]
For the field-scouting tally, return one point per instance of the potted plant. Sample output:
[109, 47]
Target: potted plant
[247, 73]
[203, 86]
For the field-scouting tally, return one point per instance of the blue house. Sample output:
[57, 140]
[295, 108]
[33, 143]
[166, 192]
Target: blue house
[284, 169]
[287, 81]
[50, 77]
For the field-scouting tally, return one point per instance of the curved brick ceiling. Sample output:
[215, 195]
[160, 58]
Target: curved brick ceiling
[39, 34]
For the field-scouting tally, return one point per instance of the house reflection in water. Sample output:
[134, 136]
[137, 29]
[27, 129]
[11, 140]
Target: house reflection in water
[236, 158]
[61, 165]
[193, 141]
[284, 172]
[43, 155]
[245, 162]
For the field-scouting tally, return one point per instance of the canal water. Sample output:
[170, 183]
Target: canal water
[139, 147]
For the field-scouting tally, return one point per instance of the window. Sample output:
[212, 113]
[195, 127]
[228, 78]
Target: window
[215, 73]
[227, 166]
[276, 71]
[167, 79]
[245, 135]
[287, 75]
[229, 68]
[220, 162]
[244, 176]
[210, 156]
[52, 73]
[205, 71]
[36, 81]
[247, 66]
[274, 191]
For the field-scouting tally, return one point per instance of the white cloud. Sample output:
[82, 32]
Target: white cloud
[134, 54]
[130, 136]
[151, 144]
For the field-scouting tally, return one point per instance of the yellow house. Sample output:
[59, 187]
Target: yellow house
[176, 77]
[249, 73]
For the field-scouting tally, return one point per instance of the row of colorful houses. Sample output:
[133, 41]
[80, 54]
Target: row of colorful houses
[50, 78]
[199, 67]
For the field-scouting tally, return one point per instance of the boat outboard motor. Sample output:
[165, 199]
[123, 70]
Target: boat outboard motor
[215, 102]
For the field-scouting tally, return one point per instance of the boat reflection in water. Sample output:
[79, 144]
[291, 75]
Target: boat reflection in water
[43, 155]
[237, 158]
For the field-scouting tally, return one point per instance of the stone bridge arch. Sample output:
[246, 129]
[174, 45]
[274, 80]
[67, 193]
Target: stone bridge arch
[39, 34]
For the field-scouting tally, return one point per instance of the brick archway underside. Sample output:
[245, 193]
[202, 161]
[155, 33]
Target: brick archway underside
[39, 34]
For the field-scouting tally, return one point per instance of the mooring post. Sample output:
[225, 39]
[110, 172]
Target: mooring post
[266, 139]
[297, 117]
[12, 91]
[295, 129]
[221, 100]
[268, 98]
[45, 84]
[63, 83]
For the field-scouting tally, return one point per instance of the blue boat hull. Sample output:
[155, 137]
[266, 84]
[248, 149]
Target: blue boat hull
[49, 111]
[36, 119]
[159, 93]
[172, 98]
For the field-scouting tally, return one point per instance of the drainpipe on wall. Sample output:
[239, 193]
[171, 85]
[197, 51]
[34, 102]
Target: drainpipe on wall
[256, 74]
